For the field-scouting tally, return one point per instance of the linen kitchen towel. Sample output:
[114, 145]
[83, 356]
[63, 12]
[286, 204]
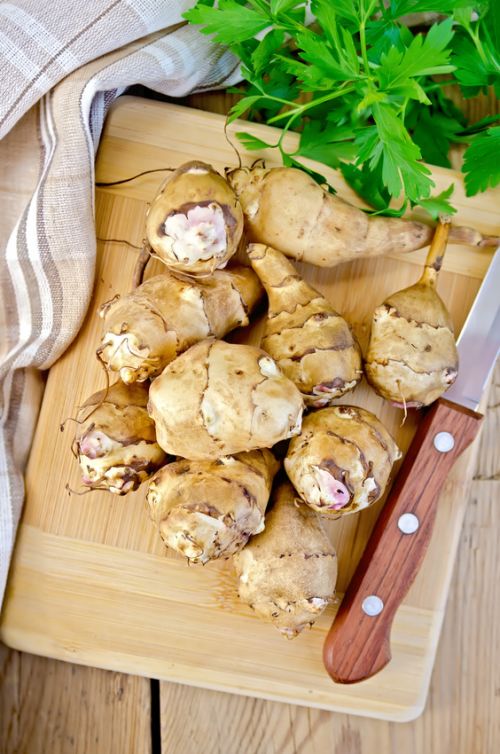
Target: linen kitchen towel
[61, 66]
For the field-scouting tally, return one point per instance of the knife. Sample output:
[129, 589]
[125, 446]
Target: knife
[358, 643]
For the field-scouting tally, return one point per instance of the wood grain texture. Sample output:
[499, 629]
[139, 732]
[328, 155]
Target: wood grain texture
[58, 708]
[463, 710]
[93, 566]
[358, 645]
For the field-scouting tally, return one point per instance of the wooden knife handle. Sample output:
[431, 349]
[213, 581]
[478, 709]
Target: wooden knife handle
[357, 645]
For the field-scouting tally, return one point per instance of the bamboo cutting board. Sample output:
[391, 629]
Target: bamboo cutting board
[92, 583]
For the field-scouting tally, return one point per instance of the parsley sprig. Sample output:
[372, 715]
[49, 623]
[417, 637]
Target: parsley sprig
[364, 90]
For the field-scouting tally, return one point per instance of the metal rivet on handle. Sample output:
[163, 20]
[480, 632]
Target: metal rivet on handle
[444, 442]
[372, 605]
[408, 523]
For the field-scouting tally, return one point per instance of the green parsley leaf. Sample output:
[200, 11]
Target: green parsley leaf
[434, 133]
[266, 50]
[229, 23]
[439, 205]
[251, 142]
[424, 56]
[382, 35]
[472, 72]
[283, 6]
[399, 8]
[367, 185]
[492, 24]
[242, 106]
[478, 126]
[360, 84]
[328, 144]
[313, 50]
[391, 145]
[481, 163]
[327, 13]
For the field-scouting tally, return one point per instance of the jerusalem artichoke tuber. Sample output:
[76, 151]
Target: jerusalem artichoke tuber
[342, 459]
[311, 343]
[209, 509]
[195, 223]
[217, 399]
[412, 357]
[116, 442]
[146, 329]
[287, 574]
[286, 209]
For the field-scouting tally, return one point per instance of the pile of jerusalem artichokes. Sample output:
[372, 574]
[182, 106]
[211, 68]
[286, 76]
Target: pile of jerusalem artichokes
[198, 416]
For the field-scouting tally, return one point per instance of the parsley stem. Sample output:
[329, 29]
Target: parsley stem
[474, 35]
[284, 130]
[364, 17]
[308, 105]
[491, 47]
[362, 41]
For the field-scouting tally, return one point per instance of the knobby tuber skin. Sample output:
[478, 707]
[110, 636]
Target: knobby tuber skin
[341, 461]
[412, 358]
[287, 574]
[208, 509]
[149, 327]
[195, 223]
[218, 399]
[310, 341]
[116, 440]
[285, 208]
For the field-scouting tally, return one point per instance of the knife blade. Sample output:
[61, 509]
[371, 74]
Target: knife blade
[358, 643]
[479, 341]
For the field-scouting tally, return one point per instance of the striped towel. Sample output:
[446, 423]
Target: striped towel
[61, 66]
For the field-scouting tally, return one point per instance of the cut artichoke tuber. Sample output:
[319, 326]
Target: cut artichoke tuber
[195, 223]
[412, 357]
[288, 573]
[342, 459]
[311, 343]
[218, 399]
[287, 209]
[149, 327]
[116, 441]
[208, 509]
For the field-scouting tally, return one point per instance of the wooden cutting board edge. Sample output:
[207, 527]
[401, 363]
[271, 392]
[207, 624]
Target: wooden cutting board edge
[44, 642]
[25, 633]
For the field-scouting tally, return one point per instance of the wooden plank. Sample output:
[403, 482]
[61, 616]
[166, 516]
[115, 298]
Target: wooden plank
[463, 712]
[49, 706]
[93, 566]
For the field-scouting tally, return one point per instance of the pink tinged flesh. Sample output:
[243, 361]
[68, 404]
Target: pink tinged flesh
[201, 233]
[94, 444]
[408, 404]
[321, 389]
[334, 490]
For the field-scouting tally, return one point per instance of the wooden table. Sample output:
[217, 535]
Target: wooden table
[53, 707]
